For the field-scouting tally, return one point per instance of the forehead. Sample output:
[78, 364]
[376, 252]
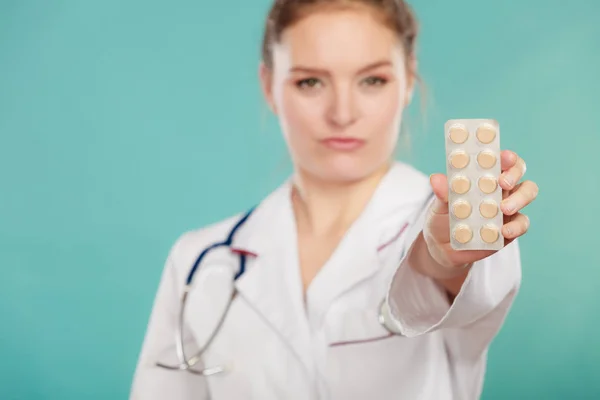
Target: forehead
[340, 38]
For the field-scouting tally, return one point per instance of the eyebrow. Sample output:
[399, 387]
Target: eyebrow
[300, 68]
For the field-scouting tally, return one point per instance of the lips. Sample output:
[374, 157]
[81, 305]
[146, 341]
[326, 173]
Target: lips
[343, 143]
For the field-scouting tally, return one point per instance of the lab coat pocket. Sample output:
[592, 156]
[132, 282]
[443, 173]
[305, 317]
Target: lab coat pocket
[355, 327]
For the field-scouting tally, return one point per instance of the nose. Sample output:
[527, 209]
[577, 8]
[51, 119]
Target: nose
[342, 109]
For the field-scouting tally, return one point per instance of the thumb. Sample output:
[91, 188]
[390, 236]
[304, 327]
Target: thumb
[439, 185]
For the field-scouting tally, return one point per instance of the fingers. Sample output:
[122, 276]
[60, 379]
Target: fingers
[509, 178]
[508, 159]
[518, 226]
[525, 193]
[439, 185]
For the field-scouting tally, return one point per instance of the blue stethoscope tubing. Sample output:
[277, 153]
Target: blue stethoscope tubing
[226, 243]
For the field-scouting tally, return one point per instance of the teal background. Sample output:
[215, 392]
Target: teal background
[125, 123]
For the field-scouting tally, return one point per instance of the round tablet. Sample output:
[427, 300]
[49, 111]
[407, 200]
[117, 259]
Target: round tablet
[459, 159]
[459, 134]
[462, 234]
[461, 209]
[488, 209]
[489, 233]
[486, 159]
[487, 184]
[461, 185]
[486, 133]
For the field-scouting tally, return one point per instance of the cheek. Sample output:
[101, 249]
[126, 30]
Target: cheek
[301, 116]
[383, 113]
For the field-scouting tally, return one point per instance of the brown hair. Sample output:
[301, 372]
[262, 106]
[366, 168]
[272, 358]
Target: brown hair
[396, 14]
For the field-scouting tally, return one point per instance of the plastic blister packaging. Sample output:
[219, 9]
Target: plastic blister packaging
[473, 169]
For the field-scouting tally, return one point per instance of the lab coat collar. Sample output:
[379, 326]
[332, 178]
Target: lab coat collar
[402, 188]
[357, 258]
[272, 282]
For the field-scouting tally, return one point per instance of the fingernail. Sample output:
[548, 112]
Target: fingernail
[507, 232]
[508, 181]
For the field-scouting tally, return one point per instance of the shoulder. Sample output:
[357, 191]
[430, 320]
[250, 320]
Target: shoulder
[188, 246]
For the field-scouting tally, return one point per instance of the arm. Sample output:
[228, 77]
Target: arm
[417, 300]
[419, 304]
[152, 382]
[483, 283]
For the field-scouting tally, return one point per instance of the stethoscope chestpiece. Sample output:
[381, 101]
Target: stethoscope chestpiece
[386, 320]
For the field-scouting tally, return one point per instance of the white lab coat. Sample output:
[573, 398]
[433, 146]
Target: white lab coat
[330, 346]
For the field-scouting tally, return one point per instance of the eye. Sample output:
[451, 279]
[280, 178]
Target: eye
[375, 81]
[308, 83]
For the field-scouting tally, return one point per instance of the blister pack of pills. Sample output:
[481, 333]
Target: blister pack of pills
[473, 169]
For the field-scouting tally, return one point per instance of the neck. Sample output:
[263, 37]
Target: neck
[324, 208]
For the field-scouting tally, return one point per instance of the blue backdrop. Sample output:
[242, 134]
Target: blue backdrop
[125, 123]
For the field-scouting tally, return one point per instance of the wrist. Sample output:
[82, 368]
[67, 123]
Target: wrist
[421, 259]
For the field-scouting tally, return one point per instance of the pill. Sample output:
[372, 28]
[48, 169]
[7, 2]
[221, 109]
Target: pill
[487, 184]
[459, 159]
[463, 234]
[489, 233]
[459, 134]
[486, 134]
[486, 159]
[461, 209]
[461, 185]
[488, 209]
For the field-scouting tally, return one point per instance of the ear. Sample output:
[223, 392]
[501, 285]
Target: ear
[411, 77]
[266, 83]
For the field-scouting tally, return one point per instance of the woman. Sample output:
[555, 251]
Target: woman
[345, 232]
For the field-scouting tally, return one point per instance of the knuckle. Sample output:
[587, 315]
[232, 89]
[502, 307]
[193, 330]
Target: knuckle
[516, 229]
[515, 177]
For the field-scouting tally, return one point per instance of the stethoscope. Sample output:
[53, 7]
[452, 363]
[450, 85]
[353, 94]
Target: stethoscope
[185, 364]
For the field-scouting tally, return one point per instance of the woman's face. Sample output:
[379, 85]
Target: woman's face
[339, 85]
